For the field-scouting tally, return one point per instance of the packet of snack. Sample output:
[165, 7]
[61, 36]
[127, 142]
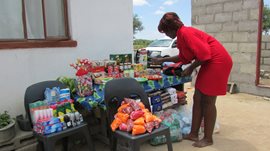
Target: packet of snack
[130, 125]
[123, 127]
[139, 121]
[115, 124]
[149, 126]
[136, 114]
[138, 129]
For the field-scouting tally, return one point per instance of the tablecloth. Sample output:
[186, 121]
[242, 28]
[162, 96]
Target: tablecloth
[97, 99]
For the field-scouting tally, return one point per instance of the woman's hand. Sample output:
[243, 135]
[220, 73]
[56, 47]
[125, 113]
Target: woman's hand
[157, 61]
[187, 72]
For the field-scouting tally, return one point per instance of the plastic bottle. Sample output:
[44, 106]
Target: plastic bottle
[36, 116]
[64, 94]
[81, 118]
[77, 118]
[72, 119]
[49, 113]
[32, 108]
[131, 72]
[53, 96]
[67, 121]
[63, 122]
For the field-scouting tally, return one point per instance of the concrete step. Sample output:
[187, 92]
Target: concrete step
[31, 147]
[22, 138]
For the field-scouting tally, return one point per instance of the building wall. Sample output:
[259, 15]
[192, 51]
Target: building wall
[100, 28]
[265, 54]
[235, 24]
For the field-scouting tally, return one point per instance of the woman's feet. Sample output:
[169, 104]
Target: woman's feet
[198, 143]
[202, 143]
[191, 137]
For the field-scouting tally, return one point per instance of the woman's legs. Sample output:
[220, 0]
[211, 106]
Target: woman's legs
[197, 113]
[209, 115]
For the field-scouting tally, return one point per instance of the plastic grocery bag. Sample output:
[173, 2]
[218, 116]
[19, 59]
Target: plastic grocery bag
[170, 119]
[185, 118]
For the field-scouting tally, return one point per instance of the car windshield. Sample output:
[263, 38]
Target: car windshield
[161, 43]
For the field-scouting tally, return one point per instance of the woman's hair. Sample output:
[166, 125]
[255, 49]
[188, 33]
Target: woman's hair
[169, 21]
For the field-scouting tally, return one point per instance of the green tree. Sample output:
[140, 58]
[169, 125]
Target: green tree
[266, 20]
[137, 24]
[141, 43]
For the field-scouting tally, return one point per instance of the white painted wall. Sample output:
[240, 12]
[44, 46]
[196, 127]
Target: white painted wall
[100, 28]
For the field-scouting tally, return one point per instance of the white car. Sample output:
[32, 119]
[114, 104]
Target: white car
[163, 47]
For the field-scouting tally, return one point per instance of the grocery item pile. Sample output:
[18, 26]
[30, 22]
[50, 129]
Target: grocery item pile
[132, 116]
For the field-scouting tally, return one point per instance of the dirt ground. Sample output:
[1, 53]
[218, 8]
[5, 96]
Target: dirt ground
[244, 126]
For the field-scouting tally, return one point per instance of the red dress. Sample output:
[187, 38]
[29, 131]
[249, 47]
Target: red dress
[214, 72]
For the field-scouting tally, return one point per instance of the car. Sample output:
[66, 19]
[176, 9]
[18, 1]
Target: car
[165, 47]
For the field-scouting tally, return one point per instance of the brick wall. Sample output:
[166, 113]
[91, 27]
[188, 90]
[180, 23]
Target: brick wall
[235, 24]
[265, 53]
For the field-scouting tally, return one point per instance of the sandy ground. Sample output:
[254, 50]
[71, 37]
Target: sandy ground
[244, 126]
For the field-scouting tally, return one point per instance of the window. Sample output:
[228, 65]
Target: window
[34, 23]
[174, 45]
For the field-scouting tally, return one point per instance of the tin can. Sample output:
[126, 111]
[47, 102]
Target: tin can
[110, 70]
[116, 69]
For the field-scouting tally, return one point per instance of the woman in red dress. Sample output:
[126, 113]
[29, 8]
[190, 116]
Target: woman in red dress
[199, 49]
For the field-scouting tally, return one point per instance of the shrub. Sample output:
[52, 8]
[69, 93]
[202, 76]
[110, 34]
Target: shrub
[4, 119]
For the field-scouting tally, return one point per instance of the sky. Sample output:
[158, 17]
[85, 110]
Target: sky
[266, 2]
[150, 12]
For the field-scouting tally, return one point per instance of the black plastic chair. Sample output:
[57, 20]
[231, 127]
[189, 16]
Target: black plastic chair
[34, 93]
[115, 91]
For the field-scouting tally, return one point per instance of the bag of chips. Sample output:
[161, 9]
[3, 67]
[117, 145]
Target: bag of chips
[139, 121]
[123, 127]
[115, 124]
[149, 126]
[138, 129]
[122, 116]
[130, 125]
[136, 114]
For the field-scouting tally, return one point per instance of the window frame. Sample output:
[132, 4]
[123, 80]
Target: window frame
[259, 39]
[40, 43]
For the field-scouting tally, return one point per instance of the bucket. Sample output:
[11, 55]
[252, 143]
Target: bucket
[8, 132]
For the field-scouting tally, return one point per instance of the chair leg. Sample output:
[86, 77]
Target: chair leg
[168, 141]
[113, 143]
[49, 146]
[40, 146]
[104, 123]
[134, 146]
[89, 139]
[66, 144]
